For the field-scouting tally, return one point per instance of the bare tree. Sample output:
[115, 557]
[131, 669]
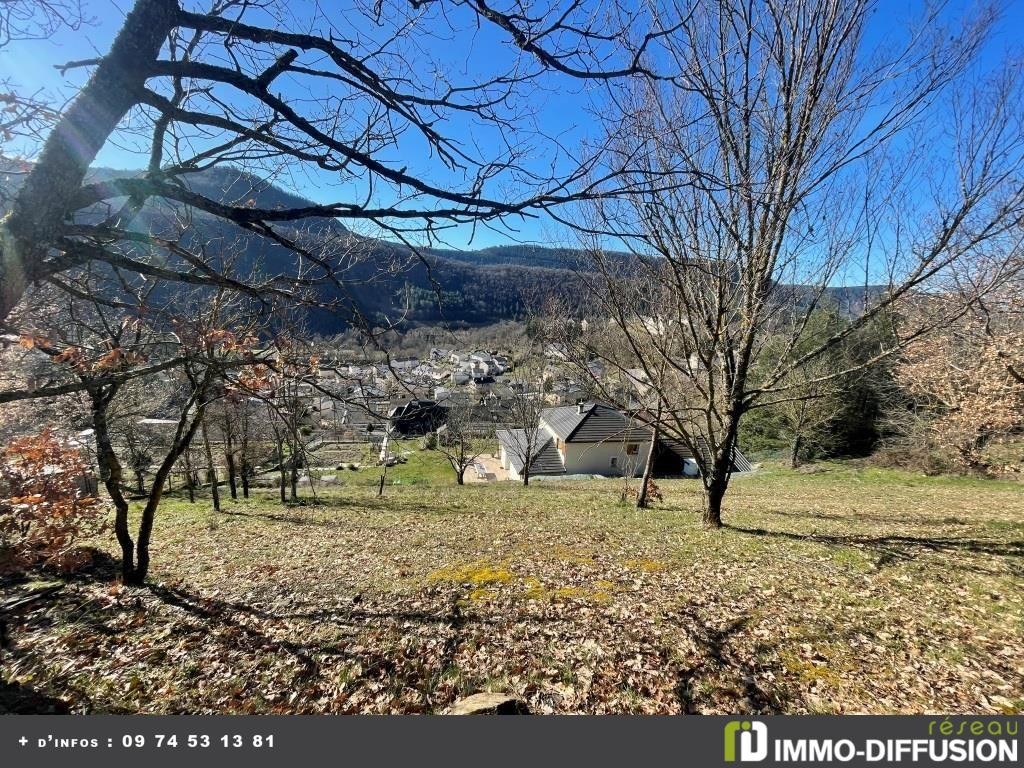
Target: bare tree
[967, 378]
[28, 114]
[523, 440]
[211, 467]
[205, 88]
[35, 19]
[816, 389]
[190, 459]
[814, 406]
[462, 440]
[105, 348]
[226, 417]
[279, 433]
[643, 496]
[804, 160]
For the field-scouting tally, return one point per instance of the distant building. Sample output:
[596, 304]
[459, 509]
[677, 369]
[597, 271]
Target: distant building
[556, 352]
[404, 363]
[596, 439]
[416, 417]
[589, 438]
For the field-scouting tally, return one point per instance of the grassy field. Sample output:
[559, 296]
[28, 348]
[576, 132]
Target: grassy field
[843, 590]
[418, 467]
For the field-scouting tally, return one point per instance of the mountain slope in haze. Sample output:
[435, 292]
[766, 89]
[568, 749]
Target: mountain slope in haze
[385, 280]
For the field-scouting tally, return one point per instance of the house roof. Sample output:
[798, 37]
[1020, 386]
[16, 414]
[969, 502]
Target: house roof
[546, 459]
[740, 463]
[674, 445]
[592, 423]
[412, 408]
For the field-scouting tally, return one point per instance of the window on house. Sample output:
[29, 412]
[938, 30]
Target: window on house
[615, 461]
[632, 449]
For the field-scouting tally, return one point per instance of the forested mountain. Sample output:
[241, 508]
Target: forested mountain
[384, 279]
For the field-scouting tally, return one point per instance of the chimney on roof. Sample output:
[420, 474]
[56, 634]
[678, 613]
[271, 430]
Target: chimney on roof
[579, 406]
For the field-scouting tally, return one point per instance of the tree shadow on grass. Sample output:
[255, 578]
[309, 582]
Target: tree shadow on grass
[448, 611]
[210, 610]
[18, 699]
[214, 608]
[318, 660]
[721, 669]
[859, 517]
[360, 504]
[102, 567]
[898, 548]
[292, 519]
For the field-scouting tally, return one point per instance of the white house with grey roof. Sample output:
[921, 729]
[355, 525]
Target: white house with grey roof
[586, 439]
[596, 439]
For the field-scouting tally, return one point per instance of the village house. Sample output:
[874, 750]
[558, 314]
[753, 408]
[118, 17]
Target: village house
[486, 362]
[404, 363]
[589, 438]
[594, 438]
[416, 417]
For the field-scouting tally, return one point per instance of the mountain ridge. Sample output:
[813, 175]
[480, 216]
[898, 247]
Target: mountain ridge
[469, 287]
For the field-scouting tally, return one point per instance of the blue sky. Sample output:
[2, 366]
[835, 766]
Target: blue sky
[562, 106]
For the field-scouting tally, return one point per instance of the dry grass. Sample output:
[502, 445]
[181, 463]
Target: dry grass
[848, 590]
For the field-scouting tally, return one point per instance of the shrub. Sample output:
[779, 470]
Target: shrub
[653, 493]
[44, 508]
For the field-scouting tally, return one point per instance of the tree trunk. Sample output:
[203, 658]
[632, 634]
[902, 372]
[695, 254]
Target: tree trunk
[293, 472]
[713, 495]
[156, 493]
[40, 208]
[229, 460]
[716, 482]
[245, 477]
[111, 474]
[244, 456]
[459, 475]
[794, 454]
[146, 531]
[190, 479]
[641, 497]
[211, 469]
[716, 477]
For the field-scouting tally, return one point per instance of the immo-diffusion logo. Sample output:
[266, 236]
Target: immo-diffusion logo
[752, 738]
[978, 741]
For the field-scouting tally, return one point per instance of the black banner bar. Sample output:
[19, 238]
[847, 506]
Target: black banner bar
[492, 742]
